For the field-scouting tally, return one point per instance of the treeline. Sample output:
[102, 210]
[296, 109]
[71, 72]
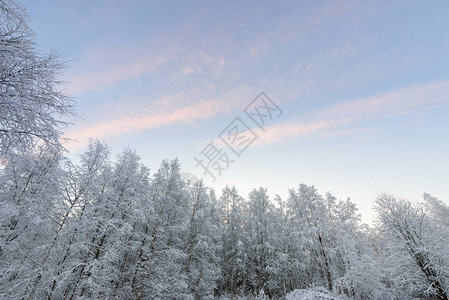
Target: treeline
[109, 230]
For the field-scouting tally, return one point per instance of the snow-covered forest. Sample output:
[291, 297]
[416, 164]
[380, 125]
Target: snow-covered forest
[108, 228]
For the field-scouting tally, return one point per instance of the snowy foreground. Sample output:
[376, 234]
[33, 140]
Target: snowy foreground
[307, 294]
[313, 294]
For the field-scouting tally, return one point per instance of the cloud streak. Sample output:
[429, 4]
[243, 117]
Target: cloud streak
[127, 124]
[324, 122]
[150, 115]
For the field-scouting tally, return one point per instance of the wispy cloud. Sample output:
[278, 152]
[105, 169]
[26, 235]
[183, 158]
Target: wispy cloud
[326, 121]
[289, 131]
[105, 64]
[100, 80]
[206, 67]
[127, 124]
[150, 115]
[395, 103]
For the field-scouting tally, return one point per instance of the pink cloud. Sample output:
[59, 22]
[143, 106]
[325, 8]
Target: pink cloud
[391, 104]
[326, 122]
[131, 124]
[288, 131]
[149, 115]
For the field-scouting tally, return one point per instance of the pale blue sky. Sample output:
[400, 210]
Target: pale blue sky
[364, 87]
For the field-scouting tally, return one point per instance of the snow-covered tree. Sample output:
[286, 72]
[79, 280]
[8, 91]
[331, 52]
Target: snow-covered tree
[417, 246]
[234, 257]
[109, 241]
[358, 270]
[307, 210]
[203, 245]
[31, 102]
[162, 273]
[281, 259]
[29, 219]
[438, 210]
[260, 250]
[83, 184]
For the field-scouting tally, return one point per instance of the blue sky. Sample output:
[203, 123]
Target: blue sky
[363, 86]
